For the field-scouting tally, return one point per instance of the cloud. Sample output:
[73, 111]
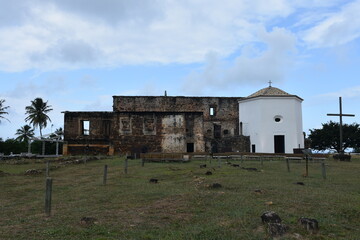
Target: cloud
[72, 34]
[113, 11]
[13, 13]
[266, 60]
[353, 92]
[336, 28]
[62, 34]
[68, 51]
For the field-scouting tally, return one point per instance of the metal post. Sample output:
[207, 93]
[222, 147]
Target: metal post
[48, 192]
[142, 162]
[105, 174]
[307, 166]
[219, 162]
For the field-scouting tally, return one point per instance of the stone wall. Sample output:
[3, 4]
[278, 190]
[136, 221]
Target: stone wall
[132, 132]
[157, 124]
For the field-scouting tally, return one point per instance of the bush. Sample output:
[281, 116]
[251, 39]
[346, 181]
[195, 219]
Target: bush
[342, 157]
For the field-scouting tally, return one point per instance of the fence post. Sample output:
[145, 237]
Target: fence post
[47, 168]
[323, 170]
[105, 174]
[288, 164]
[142, 162]
[219, 162]
[126, 165]
[261, 160]
[48, 192]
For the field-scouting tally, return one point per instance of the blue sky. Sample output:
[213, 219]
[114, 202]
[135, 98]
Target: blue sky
[77, 54]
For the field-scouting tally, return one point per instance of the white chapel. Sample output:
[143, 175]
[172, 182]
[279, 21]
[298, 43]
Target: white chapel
[273, 120]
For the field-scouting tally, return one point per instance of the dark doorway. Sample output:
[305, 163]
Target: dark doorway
[217, 131]
[190, 147]
[253, 148]
[279, 143]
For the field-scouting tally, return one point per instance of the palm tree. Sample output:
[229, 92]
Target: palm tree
[3, 110]
[25, 133]
[59, 132]
[37, 113]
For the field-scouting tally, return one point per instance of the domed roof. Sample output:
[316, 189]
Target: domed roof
[269, 91]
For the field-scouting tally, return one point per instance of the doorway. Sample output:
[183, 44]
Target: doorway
[279, 143]
[190, 147]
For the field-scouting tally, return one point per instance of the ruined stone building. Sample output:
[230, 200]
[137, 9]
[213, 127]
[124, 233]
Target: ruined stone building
[140, 124]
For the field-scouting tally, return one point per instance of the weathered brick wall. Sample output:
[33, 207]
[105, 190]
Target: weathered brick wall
[73, 127]
[159, 124]
[132, 132]
[226, 108]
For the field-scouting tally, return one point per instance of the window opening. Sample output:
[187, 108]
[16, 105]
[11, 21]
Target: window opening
[212, 111]
[86, 128]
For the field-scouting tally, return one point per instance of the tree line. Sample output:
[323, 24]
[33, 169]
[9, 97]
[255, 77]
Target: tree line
[37, 116]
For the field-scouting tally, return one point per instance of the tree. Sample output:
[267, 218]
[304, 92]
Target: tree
[3, 110]
[25, 133]
[37, 113]
[328, 137]
[59, 132]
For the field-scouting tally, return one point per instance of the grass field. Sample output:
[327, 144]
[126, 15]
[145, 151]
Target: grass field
[181, 205]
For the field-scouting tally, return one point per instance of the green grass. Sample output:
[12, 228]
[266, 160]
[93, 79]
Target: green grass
[181, 205]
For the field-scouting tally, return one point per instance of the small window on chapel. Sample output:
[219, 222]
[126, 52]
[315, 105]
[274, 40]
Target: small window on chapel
[85, 127]
[278, 118]
[212, 111]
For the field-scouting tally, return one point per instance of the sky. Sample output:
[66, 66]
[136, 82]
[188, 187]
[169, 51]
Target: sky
[77, 54]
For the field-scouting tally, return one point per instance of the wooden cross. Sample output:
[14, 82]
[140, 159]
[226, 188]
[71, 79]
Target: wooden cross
[341, 115]
[270, 82]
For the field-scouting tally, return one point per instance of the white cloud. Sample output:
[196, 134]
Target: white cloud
[353, 92]
[257, 63]
[71, 34]
[336, 28]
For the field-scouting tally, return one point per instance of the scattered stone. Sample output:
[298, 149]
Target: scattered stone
[235, 165]
[250, 169]
[311, 225]
[32, 172]
[203, 166]
[259, 191]
[153, 180]
[216, 185]
[300, 183]
[208, 173]
[88, 221]
[277, 229]
[269, 203]
[270, 217]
